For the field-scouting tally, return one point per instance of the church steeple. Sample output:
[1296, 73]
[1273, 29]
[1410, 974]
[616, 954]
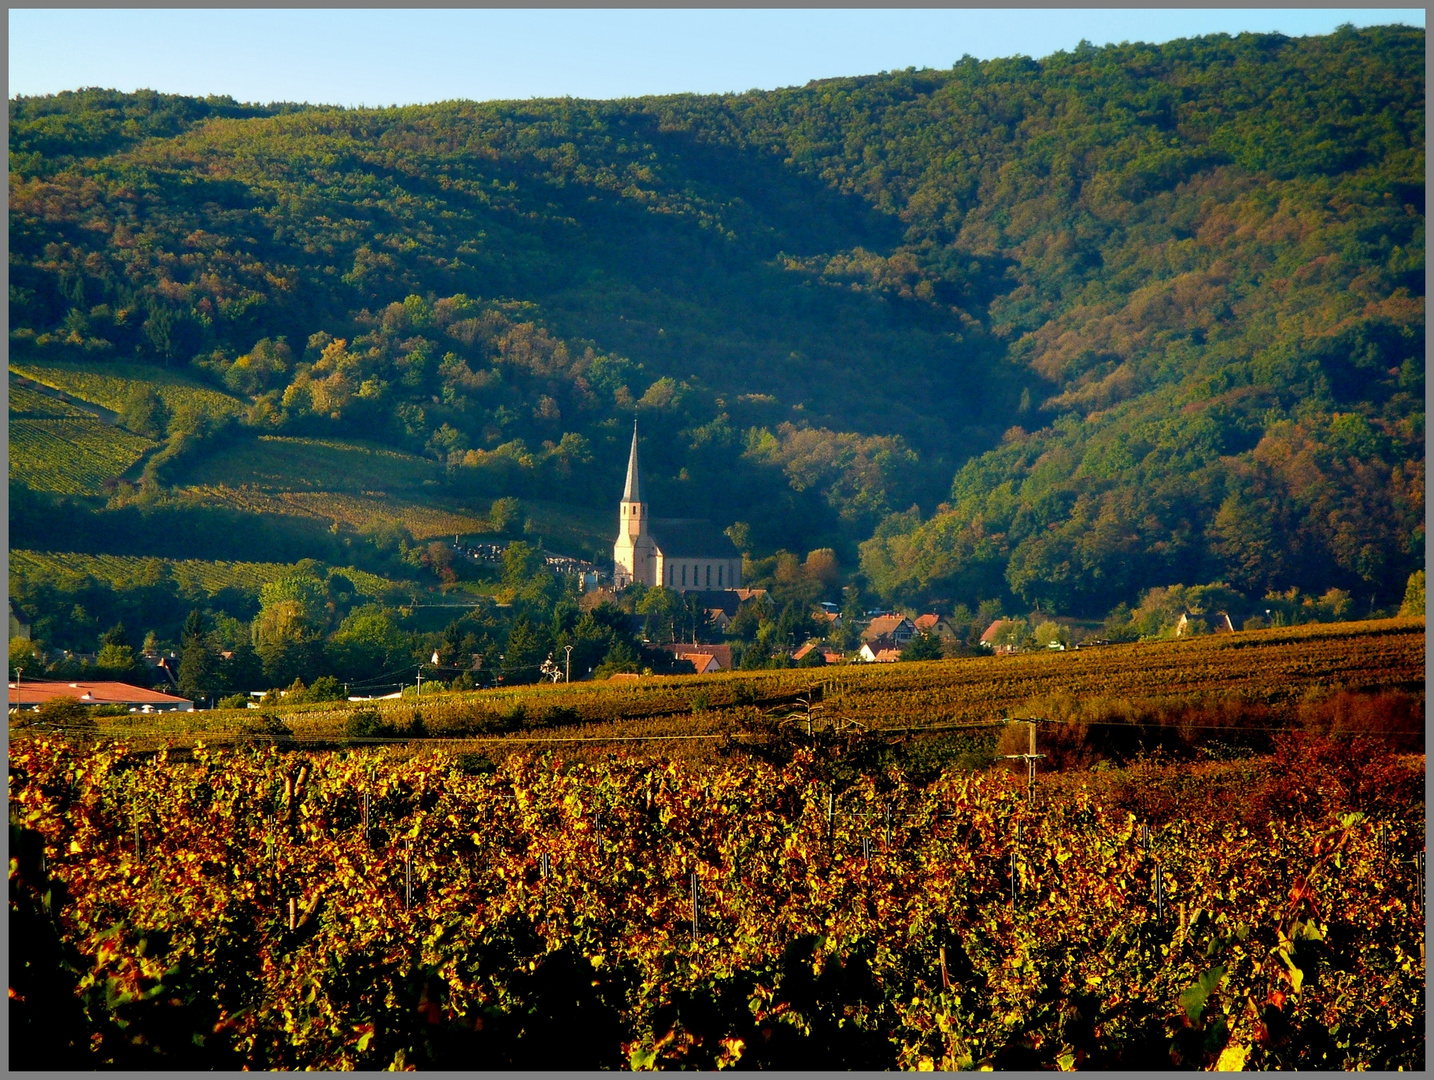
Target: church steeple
[633, 553]
[633, 492]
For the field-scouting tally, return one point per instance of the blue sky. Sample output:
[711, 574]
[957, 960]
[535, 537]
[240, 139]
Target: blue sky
[383, 57]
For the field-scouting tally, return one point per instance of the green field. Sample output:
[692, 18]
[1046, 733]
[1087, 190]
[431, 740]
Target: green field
[281, 463]
[108, 383]
[71, 455]
[194, 576]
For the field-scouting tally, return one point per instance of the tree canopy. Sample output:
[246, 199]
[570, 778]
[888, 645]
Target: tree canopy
[1158, 309]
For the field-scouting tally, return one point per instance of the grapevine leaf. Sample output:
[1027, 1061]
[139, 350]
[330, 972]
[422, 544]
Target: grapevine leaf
[1194, 997]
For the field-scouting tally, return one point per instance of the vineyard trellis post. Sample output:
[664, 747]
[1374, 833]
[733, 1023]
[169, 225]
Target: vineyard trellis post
[408, 875]
[1030, 756]
[888, 826]
[1419, 880]
[694, 904]
[1159, 893]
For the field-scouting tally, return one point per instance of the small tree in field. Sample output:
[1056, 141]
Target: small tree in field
[1413, 606]
[923, 646]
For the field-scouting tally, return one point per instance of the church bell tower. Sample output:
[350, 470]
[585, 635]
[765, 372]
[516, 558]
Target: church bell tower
[632, 554]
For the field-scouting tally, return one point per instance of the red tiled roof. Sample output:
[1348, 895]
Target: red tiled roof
[703, 662]
[991, 631]
[883, 626]
[926, 622]
[721, 653]
[92, 693]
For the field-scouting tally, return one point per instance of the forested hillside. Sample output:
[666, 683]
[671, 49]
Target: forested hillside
[1159, 310]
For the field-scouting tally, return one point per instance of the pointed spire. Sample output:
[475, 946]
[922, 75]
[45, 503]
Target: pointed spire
[633, 491]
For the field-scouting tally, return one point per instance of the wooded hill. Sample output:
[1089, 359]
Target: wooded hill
[1158, 309]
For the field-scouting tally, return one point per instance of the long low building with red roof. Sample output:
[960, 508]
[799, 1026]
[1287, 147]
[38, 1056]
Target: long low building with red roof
[30, 695]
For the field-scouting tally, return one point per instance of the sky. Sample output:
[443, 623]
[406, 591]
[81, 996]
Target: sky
[400, 57]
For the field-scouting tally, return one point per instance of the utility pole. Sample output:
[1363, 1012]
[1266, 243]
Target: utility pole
[1029, 758]
[420, 680]
[568, 663]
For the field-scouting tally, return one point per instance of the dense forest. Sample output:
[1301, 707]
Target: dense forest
[1158, 310]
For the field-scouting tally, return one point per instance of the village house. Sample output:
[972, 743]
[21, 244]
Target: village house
[721, 604]
[1190, 623]
[933, 624]
[988, 639]
[882, 650]
[898, 629]
[704, 662]
[706, 658]
[830, 655]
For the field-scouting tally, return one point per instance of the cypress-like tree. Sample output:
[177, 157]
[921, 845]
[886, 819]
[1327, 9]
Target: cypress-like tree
[199, 663]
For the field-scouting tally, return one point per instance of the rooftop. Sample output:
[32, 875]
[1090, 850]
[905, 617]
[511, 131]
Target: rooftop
[691, 538]
[94, 693]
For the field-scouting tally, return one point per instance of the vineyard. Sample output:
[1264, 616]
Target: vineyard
[268, 910]
[362, 511]
[108, 384]
[29, 404]
[195, 577]
[282, 463]
[72, 455]
[1255, 677]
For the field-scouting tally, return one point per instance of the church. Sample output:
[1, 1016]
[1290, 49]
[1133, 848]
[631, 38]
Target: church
[685, 554]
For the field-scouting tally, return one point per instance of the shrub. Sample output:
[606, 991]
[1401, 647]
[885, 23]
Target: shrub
[366, 724]
[1312, 775]
[261, 729]
[234, 701]
[325, 688]
[1120, 730]
[60, 712]
[560, 716]
[1394, 718]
